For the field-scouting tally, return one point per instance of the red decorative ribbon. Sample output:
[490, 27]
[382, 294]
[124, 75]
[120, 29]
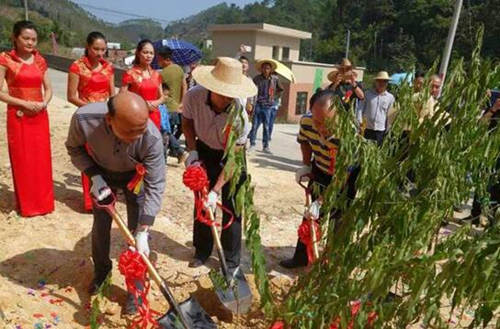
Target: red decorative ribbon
[134, 269]
[347, 96]
[136, 183]
[355, 307]
[278, 325]
[196, 179]
[305, 236]
[227, 132]
[333, 159]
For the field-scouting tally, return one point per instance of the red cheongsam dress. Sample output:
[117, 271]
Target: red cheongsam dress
[29, 136]
[147, 88]
[93, 86]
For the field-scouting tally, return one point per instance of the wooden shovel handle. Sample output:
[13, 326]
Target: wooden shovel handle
[218, 244]
[110, 208]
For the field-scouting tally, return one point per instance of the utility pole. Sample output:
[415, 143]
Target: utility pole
[449, 42]
[348, 43]
[26, 9]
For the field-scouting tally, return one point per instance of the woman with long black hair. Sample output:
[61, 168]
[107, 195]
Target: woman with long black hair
[143, 80]
[90, 80]
[28, 132]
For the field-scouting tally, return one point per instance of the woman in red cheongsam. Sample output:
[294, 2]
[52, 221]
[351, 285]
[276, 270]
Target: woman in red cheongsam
[28, 132]
[91, 79]
[143, 80]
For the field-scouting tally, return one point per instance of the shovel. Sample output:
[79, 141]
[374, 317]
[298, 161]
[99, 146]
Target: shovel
[186, 315]
[236, 296]
[309, 218]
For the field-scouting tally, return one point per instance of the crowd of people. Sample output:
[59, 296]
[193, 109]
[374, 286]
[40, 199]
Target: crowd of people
[120, 141]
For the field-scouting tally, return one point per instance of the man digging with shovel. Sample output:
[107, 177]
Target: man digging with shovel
[319, 151]
[206, 111]
[127, 154]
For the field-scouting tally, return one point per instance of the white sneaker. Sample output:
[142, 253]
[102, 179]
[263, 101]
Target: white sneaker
[267, 150]
[251, 148]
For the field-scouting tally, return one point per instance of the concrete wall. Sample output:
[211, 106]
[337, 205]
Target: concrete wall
[305, 72]
[228, 43]
[287, 111]
[266, 41]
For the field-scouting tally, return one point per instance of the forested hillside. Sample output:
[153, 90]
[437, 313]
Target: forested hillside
[71, 23]
[390, 34]
[385, 34]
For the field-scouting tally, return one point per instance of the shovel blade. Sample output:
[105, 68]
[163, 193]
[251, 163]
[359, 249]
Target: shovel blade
[237, 299]
[194, 314]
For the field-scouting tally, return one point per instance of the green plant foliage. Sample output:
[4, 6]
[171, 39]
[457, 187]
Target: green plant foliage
[95, 310]
[388, 239]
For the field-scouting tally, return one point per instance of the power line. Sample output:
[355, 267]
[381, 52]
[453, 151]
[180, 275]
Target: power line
[122, 13]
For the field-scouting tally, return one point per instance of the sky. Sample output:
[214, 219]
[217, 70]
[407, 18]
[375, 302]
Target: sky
[161, 10]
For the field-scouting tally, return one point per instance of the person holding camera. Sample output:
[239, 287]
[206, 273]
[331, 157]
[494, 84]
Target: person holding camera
[344, 85]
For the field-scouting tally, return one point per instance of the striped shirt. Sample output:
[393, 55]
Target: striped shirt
[324, 149]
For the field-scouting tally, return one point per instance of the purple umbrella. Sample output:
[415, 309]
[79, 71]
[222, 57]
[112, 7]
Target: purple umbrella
[183, 52]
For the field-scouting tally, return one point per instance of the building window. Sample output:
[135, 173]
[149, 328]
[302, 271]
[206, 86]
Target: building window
[301, 103]
[286, 53]
[276, 52]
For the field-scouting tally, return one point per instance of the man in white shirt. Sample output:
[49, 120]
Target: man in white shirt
[206, 111]
[375, 108]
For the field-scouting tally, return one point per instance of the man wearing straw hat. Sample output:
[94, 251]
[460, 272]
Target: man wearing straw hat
[344, 84]
[375, 108]
[206, 110]
[269, 90]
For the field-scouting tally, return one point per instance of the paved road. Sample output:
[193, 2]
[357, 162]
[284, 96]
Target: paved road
[286, 151]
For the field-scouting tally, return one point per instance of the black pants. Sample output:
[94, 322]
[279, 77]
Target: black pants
[101, 228]
[375, 135]
[171, 146]
[175, 120]
[323, 180]
[202, 234]
[493, 190]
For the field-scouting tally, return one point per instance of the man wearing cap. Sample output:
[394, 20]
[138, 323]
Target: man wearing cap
[375, 108]
[121, 137]
[344, 84]
[269, 91]
[206, 110]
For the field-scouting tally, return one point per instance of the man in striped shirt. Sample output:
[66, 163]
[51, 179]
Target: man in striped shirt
[319, 150]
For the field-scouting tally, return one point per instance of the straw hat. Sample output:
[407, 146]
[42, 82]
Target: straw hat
[382, 75]
[345, 64]
[261, 62]
[225, 78]
[331, 76]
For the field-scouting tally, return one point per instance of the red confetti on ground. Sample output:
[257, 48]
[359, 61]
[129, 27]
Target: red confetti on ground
[38, 315]
[56, 301]
[53, 314]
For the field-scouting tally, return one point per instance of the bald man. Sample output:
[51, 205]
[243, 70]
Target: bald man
[120, 136]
